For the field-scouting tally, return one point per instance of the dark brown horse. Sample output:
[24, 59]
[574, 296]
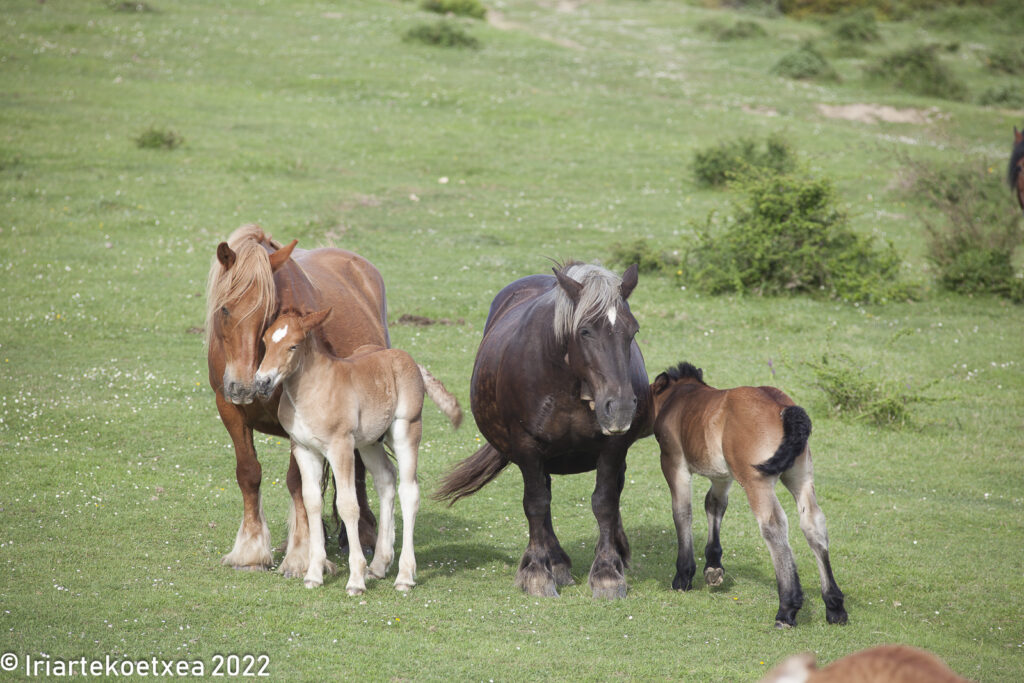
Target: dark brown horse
[559, 387]
[757, 436]
[1015, 172]
[251, 279]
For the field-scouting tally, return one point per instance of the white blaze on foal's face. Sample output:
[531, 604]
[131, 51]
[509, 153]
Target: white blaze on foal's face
[279, 334]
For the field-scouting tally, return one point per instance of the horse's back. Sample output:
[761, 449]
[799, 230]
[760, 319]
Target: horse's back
[516, 293]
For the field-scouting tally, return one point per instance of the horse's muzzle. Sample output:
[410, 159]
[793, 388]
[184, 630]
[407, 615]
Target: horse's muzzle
[615, 415]
[237, 392]
[264, 385]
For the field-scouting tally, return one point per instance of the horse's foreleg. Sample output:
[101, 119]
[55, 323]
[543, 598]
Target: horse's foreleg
[608, 573]
[311, 468]
[715, 504]
[677, 474]
[406, 435]
[383, 473]
[775, 529]
[252, 542]
[561, 565]
[812, 522]
[342, 457]
[534, 574]
[296, 558]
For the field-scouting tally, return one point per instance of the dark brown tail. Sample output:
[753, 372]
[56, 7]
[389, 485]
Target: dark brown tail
[471, 475]
[796, 430]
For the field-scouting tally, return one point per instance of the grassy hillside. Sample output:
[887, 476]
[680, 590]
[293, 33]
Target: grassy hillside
[571, 129]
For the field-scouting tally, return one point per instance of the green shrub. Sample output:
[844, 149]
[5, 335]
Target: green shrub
[1008, 96]
[788, 237]
[1008, 60]
[742, 29]
[918, 70]
[973, 244]
[857, 27]
[461, 8]
[155, 138]
[852, 392]
[718, 164]
[441, 34]
[805, 63]
[647, 258]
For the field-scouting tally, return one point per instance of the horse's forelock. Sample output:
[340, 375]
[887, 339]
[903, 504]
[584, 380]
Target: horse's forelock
[251, 271]
[599, 294]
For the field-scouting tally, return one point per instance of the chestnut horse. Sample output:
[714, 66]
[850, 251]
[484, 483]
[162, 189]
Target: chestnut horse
[330, 406]
[251, 278]
[757, 436]
[888, 663]
[1015, 172]
[559, 387]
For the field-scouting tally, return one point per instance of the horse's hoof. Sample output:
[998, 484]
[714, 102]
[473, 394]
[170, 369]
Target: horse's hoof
[330, 568]
[313, 584]
[539, 584]
[355, 591]
[782, 626]
[562, 575]
[837, 617]
[714, 576]
[615, 591]
[248, 567]
[403, 587]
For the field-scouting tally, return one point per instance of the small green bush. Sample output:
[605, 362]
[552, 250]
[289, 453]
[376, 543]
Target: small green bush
[805, 63]
[647, 258]
[1007, 60]
[918, 70]
[716, 165]
[1007, 96]
[461, 8]
[155, 138]
[741, 30]
[441, 34]
[788, 237]
[857, 27]
[851, 392]
[973, 244]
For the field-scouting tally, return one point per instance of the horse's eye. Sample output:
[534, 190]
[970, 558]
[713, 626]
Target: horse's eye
[585, 332]
[224, 311]
[292, 348]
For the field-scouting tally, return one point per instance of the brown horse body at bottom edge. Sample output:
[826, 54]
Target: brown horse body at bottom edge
[754, 435]
[251, 279]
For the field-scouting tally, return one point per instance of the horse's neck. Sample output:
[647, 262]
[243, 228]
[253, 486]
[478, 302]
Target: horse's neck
[316, 364]
[294, 290]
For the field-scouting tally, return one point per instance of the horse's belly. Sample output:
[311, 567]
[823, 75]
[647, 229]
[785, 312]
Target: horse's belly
[710, 464]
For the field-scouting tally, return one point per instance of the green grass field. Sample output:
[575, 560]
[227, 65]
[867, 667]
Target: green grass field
[572, 128]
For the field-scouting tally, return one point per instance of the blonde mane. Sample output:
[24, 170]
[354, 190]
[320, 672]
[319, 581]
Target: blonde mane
[250, 271]
[601, 291]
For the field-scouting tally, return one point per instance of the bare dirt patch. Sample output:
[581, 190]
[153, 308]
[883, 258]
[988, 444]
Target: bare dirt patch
[873, 113]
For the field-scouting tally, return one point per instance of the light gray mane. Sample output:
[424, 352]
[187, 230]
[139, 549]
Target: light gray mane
[600, 293]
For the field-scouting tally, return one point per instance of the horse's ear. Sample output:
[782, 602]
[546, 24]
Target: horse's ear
[311, 320]
[278, 258]
[660, 384]
[570, 286]
[629, 280]
[225, 255]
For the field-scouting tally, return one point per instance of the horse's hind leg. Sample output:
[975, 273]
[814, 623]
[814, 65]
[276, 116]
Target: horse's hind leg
[406, 436]
[383, 473]
[715, 503]
[534, 575]
[677, 474]
[771, 518]
[800, 482]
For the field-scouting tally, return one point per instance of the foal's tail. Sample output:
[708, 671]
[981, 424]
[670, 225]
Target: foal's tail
[796, 429]
[471, 475]
[444, 399]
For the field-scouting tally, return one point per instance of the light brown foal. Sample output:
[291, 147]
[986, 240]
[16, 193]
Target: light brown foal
[330, 406]
[756, 436]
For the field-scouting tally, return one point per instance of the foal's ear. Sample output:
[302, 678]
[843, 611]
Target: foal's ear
[629, 280]
[311, 320]
[225, 255]
[661, 383]
[278, 258]
[570, 286]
